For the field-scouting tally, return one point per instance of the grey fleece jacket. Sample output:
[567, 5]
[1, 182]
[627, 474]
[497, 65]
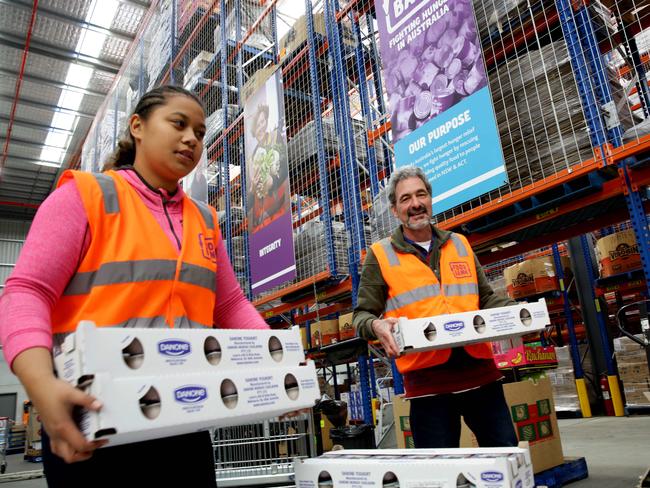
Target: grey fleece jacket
[373, 290]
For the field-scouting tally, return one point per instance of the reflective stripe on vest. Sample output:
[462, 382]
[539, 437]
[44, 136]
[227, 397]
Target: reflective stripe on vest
[137, 272]
[414, 291]
[107, 185]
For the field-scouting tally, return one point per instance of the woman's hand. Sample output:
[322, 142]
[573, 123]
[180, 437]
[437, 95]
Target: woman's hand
[55, 400]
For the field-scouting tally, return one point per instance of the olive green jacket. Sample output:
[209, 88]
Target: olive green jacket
[373, 290]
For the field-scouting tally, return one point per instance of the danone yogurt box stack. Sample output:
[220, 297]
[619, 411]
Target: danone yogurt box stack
[504, 467]
[452, 330]
[161, 382]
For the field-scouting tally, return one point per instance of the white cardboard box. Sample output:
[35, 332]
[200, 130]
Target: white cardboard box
[508, 467]
[452, 330]
[150, 352]
[142, 408]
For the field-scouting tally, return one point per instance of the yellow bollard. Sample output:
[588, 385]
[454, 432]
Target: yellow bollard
[617, 400]
[583, 398]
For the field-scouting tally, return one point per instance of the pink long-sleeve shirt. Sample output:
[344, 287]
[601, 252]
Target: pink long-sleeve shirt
[57, 242]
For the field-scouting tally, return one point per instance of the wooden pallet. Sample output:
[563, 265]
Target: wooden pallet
[573, 469]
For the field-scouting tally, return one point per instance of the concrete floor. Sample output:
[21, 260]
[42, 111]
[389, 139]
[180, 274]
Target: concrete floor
[617, 452]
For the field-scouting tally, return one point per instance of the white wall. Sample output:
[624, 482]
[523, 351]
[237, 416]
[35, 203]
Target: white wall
[12, 235]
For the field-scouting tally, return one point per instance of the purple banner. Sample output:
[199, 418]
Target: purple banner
[431, 58]
[270, 230]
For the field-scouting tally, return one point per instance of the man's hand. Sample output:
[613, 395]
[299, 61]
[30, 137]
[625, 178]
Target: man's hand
[383, 329]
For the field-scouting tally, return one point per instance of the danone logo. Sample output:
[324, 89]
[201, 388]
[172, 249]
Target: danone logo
[190, 394]
[491, 476]
[623, 250]
[174, 347]
[454, 326]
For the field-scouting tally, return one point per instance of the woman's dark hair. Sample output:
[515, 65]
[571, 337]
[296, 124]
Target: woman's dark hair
[124, 154]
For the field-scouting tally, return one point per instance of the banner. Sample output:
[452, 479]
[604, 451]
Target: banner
[270, 231]
[442, 117]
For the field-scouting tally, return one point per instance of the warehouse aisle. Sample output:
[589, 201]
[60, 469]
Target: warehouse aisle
[617, 452]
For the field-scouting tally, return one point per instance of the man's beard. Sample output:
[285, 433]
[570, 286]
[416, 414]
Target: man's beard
[420, 224]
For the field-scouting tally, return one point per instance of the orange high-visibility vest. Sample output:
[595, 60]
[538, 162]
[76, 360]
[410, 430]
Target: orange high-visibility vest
[132, 275]
[414, 291]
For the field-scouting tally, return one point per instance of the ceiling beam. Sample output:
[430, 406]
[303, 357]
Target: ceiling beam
[68, 19]
[62, 54]
[34, 125]
[46, 106]
[49, 170]
[137, 3]
[56, 84]
[25, 142]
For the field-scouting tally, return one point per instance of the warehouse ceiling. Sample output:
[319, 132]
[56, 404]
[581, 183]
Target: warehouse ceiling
[58, 60]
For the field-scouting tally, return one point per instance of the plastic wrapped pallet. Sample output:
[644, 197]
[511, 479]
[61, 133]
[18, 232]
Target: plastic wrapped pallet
[633, 371]
[563, 379]
[303, 146]
[214, 123]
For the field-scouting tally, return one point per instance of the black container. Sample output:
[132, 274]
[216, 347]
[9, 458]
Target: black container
[354, 436]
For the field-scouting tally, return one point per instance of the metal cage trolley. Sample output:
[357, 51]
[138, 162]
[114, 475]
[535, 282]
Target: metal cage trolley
[262, 453]
[5, 433]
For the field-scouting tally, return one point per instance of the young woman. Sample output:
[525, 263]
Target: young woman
[135, 219]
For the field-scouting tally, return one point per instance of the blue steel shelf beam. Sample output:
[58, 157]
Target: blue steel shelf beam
[225, 167]
[604, 333]
[365, 106]
[242, 159]
[324, 200]
[579, 373]
[348, 164]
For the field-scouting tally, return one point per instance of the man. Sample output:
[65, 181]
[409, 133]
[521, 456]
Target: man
[422, 271]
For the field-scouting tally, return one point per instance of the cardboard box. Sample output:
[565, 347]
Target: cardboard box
[303, 338]
[618, 253]
[34, 429]
[316, 339]
[142, 408]
[487, 467]
[346, 329]
[401, 414]
[452, 330]
[256, 81]
[297, 35]
[533, 414]
[534, 276]
[131, 352]
[329, 331]
[512, 352]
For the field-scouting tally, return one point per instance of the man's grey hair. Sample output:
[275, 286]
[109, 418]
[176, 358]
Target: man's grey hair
[403, 174]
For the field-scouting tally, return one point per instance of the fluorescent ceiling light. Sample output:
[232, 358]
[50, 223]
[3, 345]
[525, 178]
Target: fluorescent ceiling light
[102, 13]
[51, 154]
[48, 163]
[56, 139]
[62, 120]
[78, 75]
[70, 100]
[91, 43]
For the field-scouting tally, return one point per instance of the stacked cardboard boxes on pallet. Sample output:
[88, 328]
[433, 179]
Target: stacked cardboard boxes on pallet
[618, 253]
[633, 371]
[534, 276]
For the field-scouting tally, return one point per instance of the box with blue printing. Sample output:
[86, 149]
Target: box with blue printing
[149, 407]
[508, 467]
[124, 352]
[458, 329]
